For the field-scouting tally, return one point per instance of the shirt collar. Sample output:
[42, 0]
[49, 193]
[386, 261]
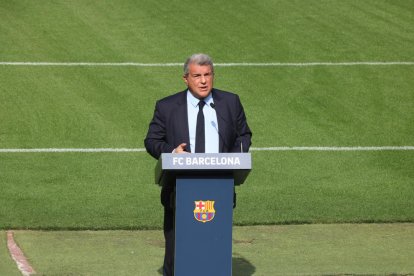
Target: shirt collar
[194, 101]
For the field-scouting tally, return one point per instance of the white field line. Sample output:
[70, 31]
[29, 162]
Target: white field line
[57, 150]
[231, 64]
[18, 256]
[91, 150]
[384, 148]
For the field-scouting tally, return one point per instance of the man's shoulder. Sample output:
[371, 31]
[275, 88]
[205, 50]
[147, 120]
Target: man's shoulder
[177, 97]
[226, 95]
[181, 97]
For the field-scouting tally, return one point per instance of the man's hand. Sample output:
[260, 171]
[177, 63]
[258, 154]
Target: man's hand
[180, 148]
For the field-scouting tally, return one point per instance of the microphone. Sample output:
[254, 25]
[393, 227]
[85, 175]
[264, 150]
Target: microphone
[232, 125]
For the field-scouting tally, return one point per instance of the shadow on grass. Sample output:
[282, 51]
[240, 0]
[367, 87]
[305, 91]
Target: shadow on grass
[241, 267]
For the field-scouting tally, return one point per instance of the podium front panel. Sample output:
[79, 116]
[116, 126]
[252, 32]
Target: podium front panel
[203, 225]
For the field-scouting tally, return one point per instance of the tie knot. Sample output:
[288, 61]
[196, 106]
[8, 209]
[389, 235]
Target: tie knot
[201, 104]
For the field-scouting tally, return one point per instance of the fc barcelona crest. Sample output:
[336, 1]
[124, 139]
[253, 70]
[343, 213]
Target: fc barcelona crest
[204, 210]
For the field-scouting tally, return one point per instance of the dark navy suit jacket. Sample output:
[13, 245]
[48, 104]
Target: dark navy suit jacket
[169, 126]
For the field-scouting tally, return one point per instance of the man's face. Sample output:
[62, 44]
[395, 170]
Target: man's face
[199, 80]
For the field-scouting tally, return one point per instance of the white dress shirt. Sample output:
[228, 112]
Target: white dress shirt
[210, 123]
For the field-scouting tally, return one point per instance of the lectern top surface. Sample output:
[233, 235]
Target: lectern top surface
[206, 161]
[238, 165]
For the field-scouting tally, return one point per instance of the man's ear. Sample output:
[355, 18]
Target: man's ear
[185, 79]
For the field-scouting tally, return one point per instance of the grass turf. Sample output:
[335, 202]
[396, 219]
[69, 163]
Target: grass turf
[82, 107]
[103, 107]
[336, 249]
[116, 191]
[111, 107]
[236, 30]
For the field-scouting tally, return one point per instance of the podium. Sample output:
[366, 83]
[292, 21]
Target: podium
[203, 208]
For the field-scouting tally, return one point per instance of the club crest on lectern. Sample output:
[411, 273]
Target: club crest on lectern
[204, 210]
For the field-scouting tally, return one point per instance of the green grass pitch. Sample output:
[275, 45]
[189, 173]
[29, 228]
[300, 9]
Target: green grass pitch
[287, 106]
[110, 107]
[333, 249]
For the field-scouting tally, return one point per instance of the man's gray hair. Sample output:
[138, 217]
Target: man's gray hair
[199, 59]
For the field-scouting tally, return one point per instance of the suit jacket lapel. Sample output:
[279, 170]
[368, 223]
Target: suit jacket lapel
[222, 125]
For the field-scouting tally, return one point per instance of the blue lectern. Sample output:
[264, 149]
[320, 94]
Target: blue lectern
[204, 208]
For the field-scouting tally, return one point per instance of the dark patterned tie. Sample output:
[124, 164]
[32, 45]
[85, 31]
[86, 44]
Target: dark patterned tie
[200, 138]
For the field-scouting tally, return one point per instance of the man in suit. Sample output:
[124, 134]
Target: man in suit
[198, 119]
